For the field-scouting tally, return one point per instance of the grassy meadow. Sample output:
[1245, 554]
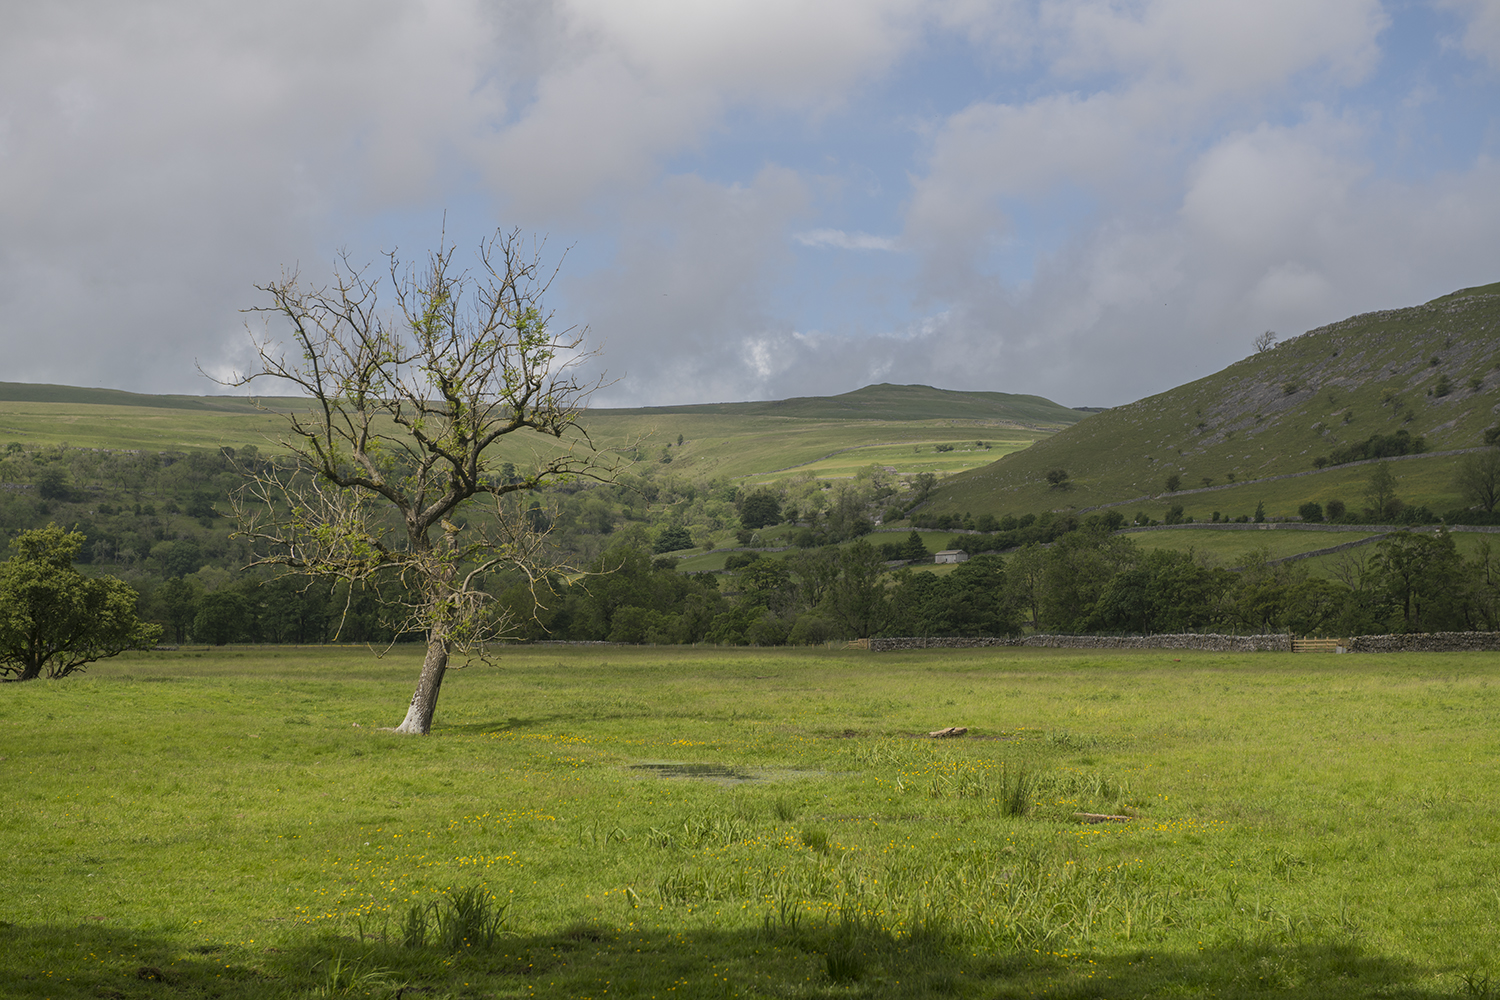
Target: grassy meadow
[755, 446]
[695, 822]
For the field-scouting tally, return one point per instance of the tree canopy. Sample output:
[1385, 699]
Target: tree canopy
[53, 619]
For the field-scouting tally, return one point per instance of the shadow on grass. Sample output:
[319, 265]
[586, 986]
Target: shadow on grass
[584, 959]
[498, 726]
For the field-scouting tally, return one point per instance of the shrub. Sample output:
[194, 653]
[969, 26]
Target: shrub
[673, 538]
[1312, 512]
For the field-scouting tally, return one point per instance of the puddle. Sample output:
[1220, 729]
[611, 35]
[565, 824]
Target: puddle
[722, 774]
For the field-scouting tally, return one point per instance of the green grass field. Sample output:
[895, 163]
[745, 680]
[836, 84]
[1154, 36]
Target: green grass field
[1230, 547]
[754, 446]
[234, 824]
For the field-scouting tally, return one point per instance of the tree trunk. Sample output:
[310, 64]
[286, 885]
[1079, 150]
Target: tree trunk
[418, 720]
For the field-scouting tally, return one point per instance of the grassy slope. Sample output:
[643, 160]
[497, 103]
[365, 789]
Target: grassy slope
[1243, 420]
[893, 402]
[882, 424]
[1311, 826]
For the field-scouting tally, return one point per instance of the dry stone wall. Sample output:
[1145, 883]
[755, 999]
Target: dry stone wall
[1427, 642]
[1211, 643]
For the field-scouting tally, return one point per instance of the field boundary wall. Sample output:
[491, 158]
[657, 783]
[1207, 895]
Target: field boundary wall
[1275, 643]
[1427, 642]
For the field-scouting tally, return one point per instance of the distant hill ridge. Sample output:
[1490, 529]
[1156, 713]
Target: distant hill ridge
[1432, 370]
[41, 392]
[873, 402]
[886, 401]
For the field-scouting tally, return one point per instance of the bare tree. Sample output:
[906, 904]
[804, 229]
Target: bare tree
[394, 479]
[1265, 341]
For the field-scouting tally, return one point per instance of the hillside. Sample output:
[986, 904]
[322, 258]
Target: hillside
[1431, 370]
[902, 427]
[888, 402]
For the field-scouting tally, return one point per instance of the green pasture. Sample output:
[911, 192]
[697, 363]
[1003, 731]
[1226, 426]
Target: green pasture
[697, 822]
[936, 541]
[1231, 547]
[1426, 480]
[85, 425]
[713, 445]
[917, 456]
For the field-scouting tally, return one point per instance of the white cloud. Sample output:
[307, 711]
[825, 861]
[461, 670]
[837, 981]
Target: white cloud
[1227, 47]
[841, 240]
[629, 85]
[1481, 37]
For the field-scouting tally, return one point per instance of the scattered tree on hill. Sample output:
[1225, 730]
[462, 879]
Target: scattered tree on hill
[915, 549]
[55, 620]
[1265, 341]
[922, 485]
[673, 538]
[1380, 493]
[1422, 578]
[1174, 483]
[759, 508]
[1376, 446]
[1312, 512]
[1478, 478]
[52, 483]
[1057, 479]
[406, 409]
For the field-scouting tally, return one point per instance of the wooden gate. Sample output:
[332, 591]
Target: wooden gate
[1318, 645]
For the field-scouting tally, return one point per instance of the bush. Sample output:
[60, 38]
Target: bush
[1380, 446]
[673, 538]
[810, 630]
[1312, 512]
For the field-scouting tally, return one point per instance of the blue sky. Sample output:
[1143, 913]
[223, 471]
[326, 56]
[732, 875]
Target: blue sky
[1092, 200]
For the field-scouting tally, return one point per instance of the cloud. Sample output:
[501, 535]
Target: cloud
[841, 240]
[1481, 37]
[629, 85]
[160, 158]
[681, 311]
[1092, 199]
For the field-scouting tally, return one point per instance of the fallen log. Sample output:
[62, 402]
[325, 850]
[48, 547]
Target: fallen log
[1102, 818]
[949, 733]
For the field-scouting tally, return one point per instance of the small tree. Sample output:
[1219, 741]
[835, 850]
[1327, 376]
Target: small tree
[759, 508]
[672, 538]
[55, 620]
[406, 409]
[1478, 478]
[1057, 479]
[1174, 483]
[1380, 491]
[1265, 341]
[915, 550]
